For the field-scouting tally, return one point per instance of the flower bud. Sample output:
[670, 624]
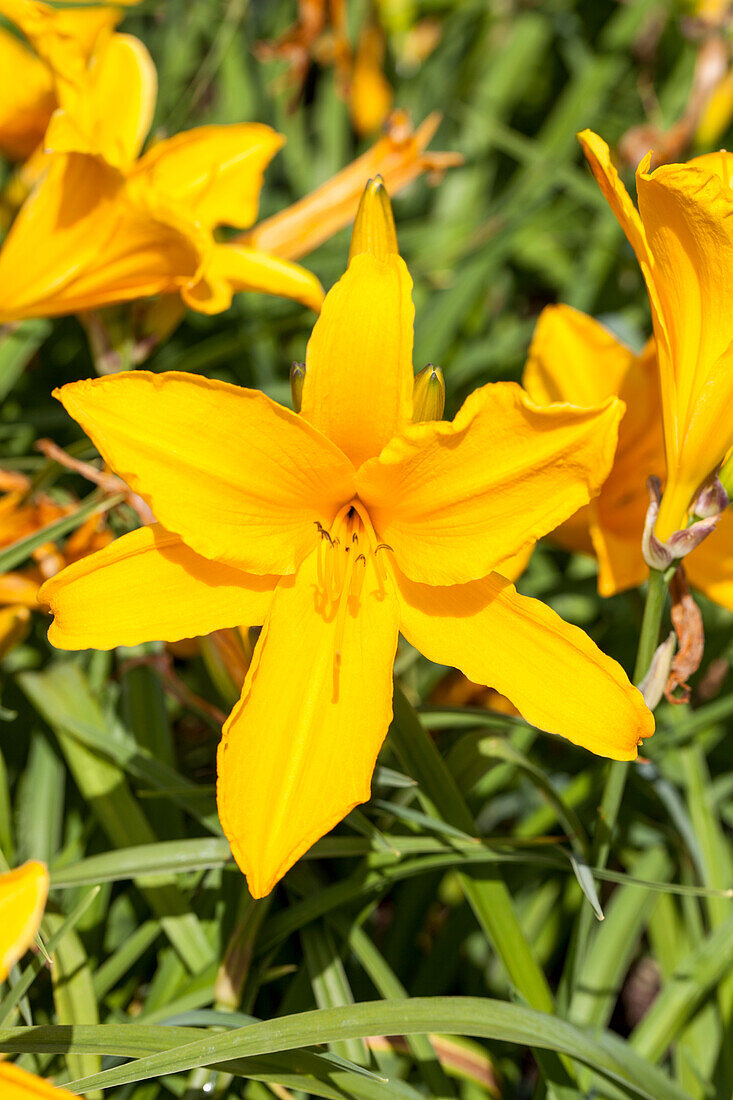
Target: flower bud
[653, 685]
[374, 229]
[660, 555]
[428, 394]
[711, 500]
[297, 381]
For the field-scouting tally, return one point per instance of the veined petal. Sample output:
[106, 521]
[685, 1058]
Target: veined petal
[598, 156]
[23, 895]
[358, 384]
[710, 565]
[17, 1083]
[241, 479]
[299, 749]
[27, 100]
[109, 112]
[455, 499]
[553, 673]
[149, 586]
[85, 239]
[231, 268]
[216, 171]
[687, 214]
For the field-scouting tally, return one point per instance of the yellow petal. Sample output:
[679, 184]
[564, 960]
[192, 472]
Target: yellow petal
[299, 749]
[687, 214]
[553, 673]
[108, 113]
[358, 384]
[374, 228]
[239, 478]
[232, 268]
[215, 171]
[149, 586]
[27, 100]
[23, 895]
[710, 566]
[17, 1083]
[63, 38]
[399, 157]
[85, 239]
[598, 156]
[573, 358]
[454, 499]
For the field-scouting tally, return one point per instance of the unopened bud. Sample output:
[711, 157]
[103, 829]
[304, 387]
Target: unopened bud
[297, 380]
[428, 394]
[711, 500]
[374, 229]
[660, 555]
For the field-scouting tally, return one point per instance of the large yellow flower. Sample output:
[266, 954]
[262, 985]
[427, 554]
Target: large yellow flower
[337, 529]
[573, 358]
[23, 895]
[682, 234]
[104, 225]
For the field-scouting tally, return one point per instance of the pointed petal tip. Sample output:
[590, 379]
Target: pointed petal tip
[374, 227]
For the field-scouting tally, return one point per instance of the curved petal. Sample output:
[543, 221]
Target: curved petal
[84, 239]
[27, 101]
[63, 38]
[216, 171]
[573, 358]
[232, 268]
[358, 383]
[553, 673]
[299, 749]
[598, 156]
[17, 1083]
[453, 500]
[241, 479]
[149, 586]
[23, 895]
[109, 112]
[688, 217]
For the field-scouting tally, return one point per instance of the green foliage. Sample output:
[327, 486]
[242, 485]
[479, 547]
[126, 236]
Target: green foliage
[450, 903]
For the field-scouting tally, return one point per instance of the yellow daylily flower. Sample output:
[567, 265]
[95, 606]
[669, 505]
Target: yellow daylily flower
[336, 529]
[573, 358]
[62, 41]
[682, 234]
[23, 894]
[105, 224]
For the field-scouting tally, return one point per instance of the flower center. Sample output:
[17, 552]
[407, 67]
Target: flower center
[345, 551]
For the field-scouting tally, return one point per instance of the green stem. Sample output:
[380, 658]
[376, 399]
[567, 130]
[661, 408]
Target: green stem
[488, 896]
[616, 776]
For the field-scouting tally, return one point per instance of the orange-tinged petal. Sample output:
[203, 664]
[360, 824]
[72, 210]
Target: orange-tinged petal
[370, 95]
[239, 478]
[16, 588]
[399, 156]
[85, 239]
[108, 113]
[358, 384]
[455, 499]
[149, 586]
[553, 673]
[15, 624]
[23, 895]
[17, 1083]
[598, 156]
[27, 100]
[231, 268]
[215, 171]
[299, 749]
